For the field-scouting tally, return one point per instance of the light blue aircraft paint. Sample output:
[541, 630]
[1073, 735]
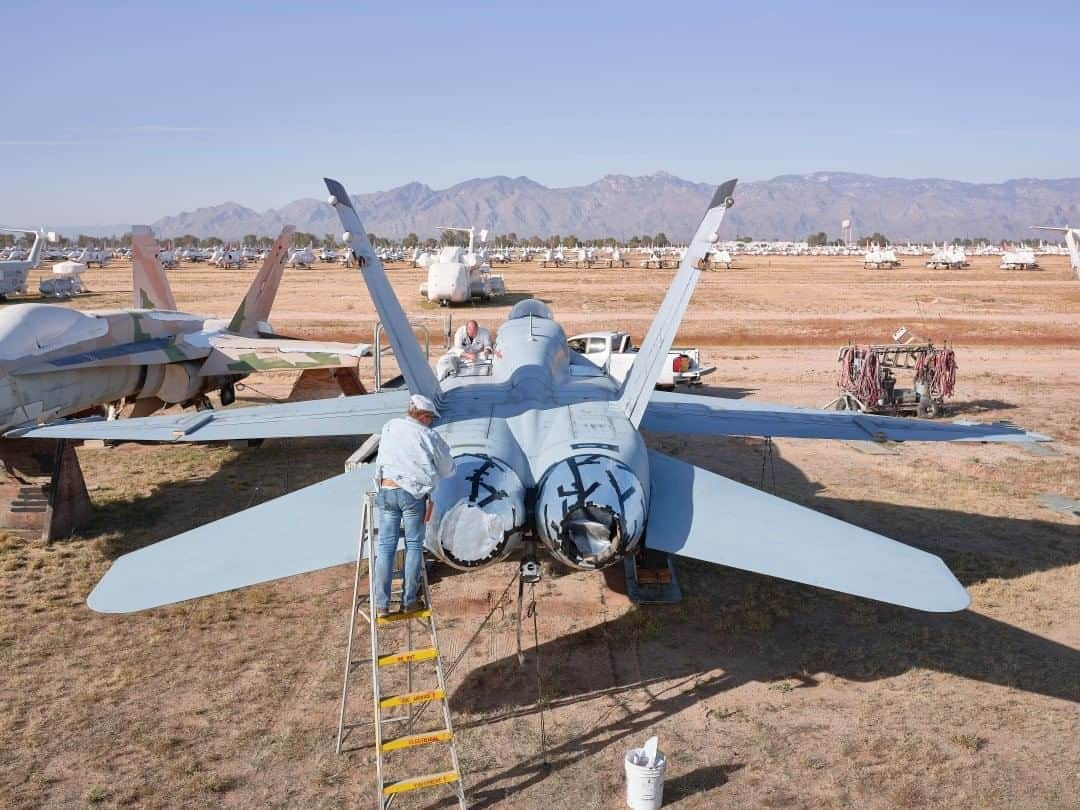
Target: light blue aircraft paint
[549, 453]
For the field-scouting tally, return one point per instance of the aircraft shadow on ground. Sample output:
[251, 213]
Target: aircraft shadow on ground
[508, 298]
[788, 628]
[737, 627]
[247, 478]
[977, 406]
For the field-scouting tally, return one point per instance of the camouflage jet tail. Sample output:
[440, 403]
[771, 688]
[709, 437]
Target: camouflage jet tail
[149, 284]
[254, 309]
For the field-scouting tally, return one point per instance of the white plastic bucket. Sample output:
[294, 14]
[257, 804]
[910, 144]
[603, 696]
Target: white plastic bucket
[644, 785]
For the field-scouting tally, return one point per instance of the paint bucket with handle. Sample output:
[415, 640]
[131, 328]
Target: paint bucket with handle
[645, 776]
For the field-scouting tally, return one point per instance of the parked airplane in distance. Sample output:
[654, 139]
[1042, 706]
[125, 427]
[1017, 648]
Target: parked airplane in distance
[14, 272]
[549, 454]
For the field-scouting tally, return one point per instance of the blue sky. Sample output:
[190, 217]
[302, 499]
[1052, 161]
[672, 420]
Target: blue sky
[124, 112]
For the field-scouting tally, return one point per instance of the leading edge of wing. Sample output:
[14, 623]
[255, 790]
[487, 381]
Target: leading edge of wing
[712, 518]
[307, 530]
[341, 416]
[716, 416]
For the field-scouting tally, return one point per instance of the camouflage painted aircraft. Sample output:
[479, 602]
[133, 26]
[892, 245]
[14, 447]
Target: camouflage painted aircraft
[549, 454]
[56, 361]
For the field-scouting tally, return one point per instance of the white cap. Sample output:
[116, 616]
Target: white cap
[418, 402]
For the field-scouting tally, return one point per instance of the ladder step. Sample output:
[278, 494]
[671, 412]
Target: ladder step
[413, 740]
[421, 654]
[412, 697]
[418, 782]
[423, 613]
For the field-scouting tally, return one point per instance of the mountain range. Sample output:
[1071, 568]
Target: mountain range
[785, 207]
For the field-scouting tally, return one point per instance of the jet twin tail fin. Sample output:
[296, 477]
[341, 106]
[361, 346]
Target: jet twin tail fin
[1072, 239]
[419, 378]
[257, 302]
[639, 383]
[149, 284]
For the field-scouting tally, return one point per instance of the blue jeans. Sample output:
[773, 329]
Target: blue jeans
[396, 505]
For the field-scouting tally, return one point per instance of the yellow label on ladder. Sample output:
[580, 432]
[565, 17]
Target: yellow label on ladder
[421, 654]
[397, 617]
[412, 697]
[413, 740]
[417, 782]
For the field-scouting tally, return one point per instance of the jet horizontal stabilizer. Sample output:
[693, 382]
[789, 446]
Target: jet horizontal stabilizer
[708, 517]
[312, 528]
[716, 416]
[341, 416]
[240, 355]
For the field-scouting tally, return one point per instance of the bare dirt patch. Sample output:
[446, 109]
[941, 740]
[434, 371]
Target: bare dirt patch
[764, 693]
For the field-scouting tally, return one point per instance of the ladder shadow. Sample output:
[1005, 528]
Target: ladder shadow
[523, 775]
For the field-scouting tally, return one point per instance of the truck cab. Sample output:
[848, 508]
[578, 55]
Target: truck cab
[614, 352]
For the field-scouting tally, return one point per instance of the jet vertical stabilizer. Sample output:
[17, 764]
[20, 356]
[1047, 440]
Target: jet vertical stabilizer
[149, 284]
[1072, 239]
[419, 378]
[641, 379]
[257, 302]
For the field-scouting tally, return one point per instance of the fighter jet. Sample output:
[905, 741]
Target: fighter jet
[549, 454]
[302, 257]
[56, 361]
[14, 272]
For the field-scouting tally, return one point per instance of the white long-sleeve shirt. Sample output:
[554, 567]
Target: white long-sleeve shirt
[464, 343]
[414, 456]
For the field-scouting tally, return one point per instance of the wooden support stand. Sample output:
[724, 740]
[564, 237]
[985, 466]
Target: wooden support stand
[318, 383]
[42, 490]
[651, 580]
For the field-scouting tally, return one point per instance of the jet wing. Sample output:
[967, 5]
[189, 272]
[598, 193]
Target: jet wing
[712, 518]
[233, 354]
[153, 351]
[341, 416]
[312, 528]
[715, 416]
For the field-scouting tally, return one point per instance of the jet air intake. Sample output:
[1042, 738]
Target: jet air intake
[590, 511]
[479, 513]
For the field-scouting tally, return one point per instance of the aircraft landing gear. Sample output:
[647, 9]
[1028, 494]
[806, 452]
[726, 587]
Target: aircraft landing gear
[530, 567]
[228, 394]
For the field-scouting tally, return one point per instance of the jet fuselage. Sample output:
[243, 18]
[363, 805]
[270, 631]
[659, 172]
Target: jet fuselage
[549, 458]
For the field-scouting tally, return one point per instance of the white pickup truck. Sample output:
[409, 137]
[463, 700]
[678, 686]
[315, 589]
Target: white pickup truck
[613, 352]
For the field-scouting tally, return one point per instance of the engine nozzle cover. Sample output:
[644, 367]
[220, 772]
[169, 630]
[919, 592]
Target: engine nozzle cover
[479, 512]
[590, 511]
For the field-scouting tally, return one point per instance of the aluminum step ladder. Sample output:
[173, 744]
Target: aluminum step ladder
[410, 664]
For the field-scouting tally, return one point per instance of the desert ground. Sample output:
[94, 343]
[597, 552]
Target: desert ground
[763, 693]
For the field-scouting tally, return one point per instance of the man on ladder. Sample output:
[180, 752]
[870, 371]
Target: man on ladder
[412, 459]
